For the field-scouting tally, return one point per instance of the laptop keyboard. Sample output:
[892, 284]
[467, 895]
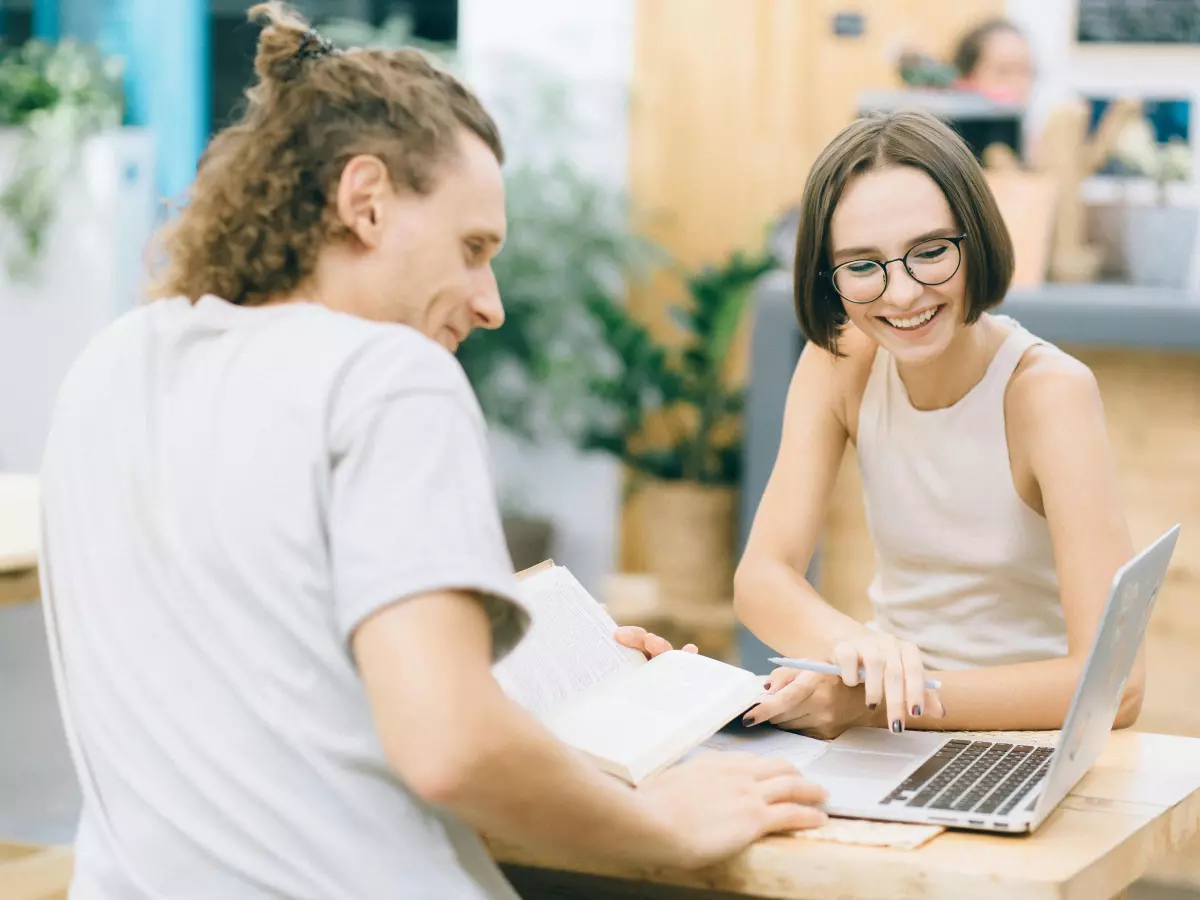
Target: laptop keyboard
[974, 776]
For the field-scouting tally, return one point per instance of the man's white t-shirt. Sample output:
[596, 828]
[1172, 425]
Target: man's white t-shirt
[227, 493]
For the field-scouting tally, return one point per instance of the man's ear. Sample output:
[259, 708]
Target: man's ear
[362, 190]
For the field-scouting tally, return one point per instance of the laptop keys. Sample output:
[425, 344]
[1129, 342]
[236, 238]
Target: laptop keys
[979, 776]
[928, 769]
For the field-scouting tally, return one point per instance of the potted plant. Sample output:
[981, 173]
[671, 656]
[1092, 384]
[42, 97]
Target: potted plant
[672, 414]
[1157, 238]
[568, 239]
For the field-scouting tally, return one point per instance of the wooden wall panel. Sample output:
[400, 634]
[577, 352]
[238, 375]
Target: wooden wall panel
[731, 101]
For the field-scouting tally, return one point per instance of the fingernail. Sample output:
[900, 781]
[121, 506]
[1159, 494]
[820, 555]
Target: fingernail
[747, 721]
[872, 705]
[897, 727]
[916, 711]
[767, 686]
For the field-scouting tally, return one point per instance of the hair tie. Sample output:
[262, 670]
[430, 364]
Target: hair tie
[314, 46]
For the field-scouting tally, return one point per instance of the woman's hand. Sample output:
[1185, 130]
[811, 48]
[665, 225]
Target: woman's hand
[637, 638]
[893, 675]
[818, 705]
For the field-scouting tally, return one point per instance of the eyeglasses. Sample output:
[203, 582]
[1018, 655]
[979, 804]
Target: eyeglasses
[930, 263]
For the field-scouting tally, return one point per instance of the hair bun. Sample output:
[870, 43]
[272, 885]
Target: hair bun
[286, 44]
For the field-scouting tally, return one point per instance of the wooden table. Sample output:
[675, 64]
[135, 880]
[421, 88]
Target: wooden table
[19, 539]
[1140, 802]
[35, 873]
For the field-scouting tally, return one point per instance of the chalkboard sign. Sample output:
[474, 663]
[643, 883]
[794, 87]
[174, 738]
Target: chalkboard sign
[1139, 21]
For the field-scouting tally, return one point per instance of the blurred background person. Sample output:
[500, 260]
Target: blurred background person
[994, 58]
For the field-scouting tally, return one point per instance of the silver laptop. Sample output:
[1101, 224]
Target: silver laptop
[1004, 786]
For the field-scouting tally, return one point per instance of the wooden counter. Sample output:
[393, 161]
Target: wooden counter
[18, 538]
[1140, 802]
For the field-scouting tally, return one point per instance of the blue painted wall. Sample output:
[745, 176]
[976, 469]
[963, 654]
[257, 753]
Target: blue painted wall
[164, 44]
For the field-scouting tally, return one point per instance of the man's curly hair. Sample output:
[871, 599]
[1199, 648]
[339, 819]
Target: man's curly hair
[261, 205]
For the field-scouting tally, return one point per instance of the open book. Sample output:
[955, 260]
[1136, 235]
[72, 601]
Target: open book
[633, 717]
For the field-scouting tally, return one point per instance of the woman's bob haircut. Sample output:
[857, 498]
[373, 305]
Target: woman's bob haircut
[914, 139]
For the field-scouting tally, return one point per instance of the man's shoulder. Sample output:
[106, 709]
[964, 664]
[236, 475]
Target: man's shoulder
[383, 360]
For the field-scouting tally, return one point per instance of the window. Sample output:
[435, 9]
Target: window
[233, 39]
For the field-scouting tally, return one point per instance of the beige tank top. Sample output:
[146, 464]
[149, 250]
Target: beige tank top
[964, 568]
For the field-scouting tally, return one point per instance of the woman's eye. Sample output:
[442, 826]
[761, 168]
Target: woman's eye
[861, 268]
[931, 255]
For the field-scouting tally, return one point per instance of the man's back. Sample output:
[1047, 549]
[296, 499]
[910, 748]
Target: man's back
[228, 493]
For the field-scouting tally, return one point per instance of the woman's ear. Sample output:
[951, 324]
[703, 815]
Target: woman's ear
[361, 194]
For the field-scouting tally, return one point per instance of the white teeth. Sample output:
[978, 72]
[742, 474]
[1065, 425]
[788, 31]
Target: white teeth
[915, 321]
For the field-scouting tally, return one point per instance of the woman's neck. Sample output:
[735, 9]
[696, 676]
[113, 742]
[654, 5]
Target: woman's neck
[947, 379]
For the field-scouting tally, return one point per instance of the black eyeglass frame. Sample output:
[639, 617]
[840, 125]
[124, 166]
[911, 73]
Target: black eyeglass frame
[832, 273]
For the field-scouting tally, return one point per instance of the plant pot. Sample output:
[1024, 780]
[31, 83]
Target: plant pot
[528, 539]
[1159, 242]
[689, 533]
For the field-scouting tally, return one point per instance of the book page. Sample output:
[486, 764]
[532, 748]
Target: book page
[569, 647]
[660, 709]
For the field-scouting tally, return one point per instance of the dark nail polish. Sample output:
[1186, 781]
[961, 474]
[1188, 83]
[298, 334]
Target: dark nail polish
[872, 705]
[916, 711]
[747, 721]
[767, 686]
[897, 727]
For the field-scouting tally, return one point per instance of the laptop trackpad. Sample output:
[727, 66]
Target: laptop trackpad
[865, 764]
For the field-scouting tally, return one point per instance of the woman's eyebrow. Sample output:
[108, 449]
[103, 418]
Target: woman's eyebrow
[867, 251]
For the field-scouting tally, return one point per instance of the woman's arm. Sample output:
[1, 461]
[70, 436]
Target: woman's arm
[771, 595]
[1057, 436]
[774, 599]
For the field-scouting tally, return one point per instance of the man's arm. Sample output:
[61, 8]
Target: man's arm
[458, 742]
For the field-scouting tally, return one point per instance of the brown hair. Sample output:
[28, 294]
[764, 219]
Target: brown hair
[260, 208]
[914, 139]
[970, 45]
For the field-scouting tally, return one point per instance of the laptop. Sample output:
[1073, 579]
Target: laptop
[993, 785]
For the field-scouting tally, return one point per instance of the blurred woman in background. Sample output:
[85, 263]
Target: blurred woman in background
[994, 59]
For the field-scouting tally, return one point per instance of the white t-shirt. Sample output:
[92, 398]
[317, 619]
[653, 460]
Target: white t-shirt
[227, 493]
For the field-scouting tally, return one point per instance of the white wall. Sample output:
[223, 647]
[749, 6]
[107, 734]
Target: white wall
[590, 46]
[90, 274]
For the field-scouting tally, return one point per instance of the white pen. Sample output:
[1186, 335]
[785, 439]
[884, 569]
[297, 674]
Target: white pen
[809, 665]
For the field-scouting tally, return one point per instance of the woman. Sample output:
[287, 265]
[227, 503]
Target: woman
[989, 483]
[994, 59]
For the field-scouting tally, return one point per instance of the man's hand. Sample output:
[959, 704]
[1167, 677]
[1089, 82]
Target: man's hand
[637, 638]
[718, 803]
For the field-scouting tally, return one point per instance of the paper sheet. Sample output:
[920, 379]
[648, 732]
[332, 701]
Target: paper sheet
[569, 647]
[897, 835]
[763, 741]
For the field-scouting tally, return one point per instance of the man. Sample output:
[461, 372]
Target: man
[274, 575]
